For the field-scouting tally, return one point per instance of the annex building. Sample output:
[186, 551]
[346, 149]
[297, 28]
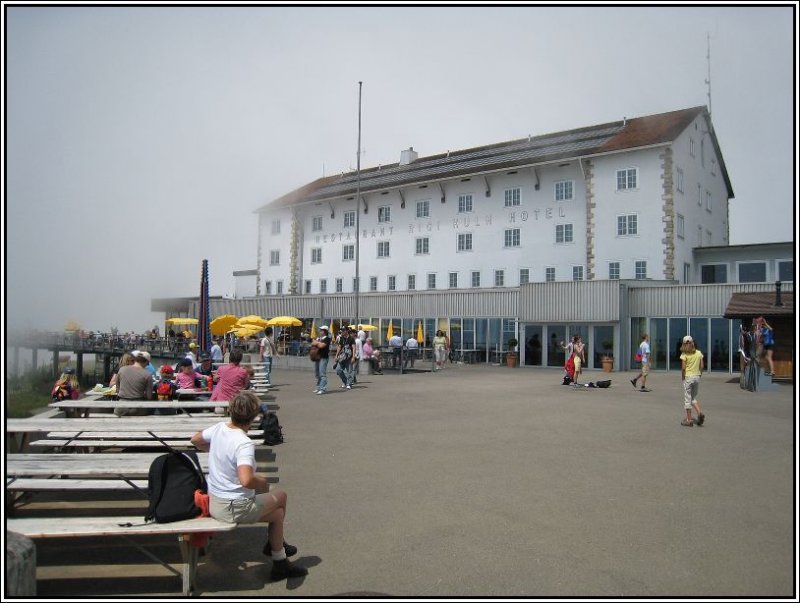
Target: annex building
[607, 231]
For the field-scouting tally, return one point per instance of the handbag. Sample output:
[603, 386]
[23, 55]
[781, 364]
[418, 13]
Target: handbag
[313, 353]
[638, 358]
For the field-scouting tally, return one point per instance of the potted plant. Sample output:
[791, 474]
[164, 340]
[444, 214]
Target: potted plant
[608, 357]
[511, 356]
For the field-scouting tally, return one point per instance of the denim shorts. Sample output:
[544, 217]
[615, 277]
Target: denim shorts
[237, 510]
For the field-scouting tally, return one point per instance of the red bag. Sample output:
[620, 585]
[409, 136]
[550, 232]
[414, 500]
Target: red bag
[201, 501]
[569, 366]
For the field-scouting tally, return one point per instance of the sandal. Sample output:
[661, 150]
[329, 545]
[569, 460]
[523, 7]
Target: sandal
[701, 419]
[687, 423]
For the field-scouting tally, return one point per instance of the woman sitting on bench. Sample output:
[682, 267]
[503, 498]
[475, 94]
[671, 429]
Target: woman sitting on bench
[233, 483]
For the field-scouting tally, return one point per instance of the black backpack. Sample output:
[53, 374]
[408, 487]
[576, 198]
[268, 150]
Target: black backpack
[172, 481]
[273, 433]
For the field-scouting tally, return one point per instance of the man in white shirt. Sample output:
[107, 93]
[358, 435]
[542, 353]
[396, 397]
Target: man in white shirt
[216, 353]
[268, 350]
[644, 351]
[396, 343]
[412, 347]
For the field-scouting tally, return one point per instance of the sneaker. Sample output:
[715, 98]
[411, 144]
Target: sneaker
[344, 386]
[348, 387]
[700, 419]
[320, 392]
[316, 391]
[633, 383]
[286, 569]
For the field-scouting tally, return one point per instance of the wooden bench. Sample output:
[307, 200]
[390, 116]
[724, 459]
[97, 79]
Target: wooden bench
[187, 532]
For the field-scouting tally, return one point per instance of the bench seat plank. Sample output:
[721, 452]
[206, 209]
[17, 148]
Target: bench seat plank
[65, 527]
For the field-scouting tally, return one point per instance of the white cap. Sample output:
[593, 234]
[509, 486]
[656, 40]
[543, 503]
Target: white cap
[688, 339]
[324, 327]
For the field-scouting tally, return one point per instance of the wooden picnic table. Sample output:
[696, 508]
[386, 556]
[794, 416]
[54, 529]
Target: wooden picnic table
[120, 465]
[184, 406]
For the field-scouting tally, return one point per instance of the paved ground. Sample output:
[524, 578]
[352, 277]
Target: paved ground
[487, 481]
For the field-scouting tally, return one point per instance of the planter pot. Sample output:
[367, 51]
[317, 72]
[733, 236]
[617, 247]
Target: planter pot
[511, 359]
[608, 364]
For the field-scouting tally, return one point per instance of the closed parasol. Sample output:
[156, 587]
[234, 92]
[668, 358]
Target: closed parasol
[420, 334]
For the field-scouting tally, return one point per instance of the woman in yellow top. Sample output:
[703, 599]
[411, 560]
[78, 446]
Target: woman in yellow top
[692, 366]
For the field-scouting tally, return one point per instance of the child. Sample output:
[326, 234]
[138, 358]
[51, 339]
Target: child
[692, 366]
[166, 388]
[186, 374]
[68, 388]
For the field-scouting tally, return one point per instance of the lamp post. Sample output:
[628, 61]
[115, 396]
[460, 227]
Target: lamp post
[358, 204]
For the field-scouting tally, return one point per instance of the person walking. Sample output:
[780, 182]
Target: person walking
[768, 342]
[440, 349]
[644, 353]
[692, 366]
[323, 345]
[344, 357]
[268, 350]
[236, 493]
[412, 348]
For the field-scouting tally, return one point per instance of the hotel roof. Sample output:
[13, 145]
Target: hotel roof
[624, 135]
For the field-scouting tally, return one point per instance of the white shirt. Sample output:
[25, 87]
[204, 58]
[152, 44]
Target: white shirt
[230, 447]
[216, 353]
[359, 349]
[412, 343]
[644, 350]
[267, 347]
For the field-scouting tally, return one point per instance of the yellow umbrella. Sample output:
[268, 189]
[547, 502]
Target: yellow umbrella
[420, 334]
[72, 326]
[245, 330]
[368, 327]
[222, 324]
[253, 319]
[285, 321]
[182, 321]
[313, 330]
[389, 332]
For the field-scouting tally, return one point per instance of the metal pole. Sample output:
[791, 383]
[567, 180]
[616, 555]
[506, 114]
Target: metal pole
[358, 204]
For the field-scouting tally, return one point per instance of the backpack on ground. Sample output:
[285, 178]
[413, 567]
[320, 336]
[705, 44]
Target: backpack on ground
[172, 481]
[273, 432]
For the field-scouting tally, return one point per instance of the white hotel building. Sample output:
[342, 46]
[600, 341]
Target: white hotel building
[536, 239]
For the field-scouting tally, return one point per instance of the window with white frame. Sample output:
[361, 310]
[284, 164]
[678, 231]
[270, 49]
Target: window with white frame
[316, 223]
[384, 214]
[524, 276]
[316, 255]
[713, 167]
[563, 233]
[349, 219]
[412, 282]
[703, 152]
[423, 209]
[499, 278]
[356, 284]
[391, 283]
[453, 280]
[465, 241]
[323, 285]
[687, 273]
[276, 227]
[752, 272]
[699, 236]
[373, 283]
[423, 245]
[680, 225]
[627, 225]
[475, 278]
[708, 200]
[512, 197]
[641, 269]
[279, 288]
[549, 274]
[348, 252]
[627, 179]
[699, 194]
[708, 238]
[431, 280]
[564, 190]
[679, 180]
[268, 287]
[383, 249]
[511, 237]
[577, 273]
[464, 204]
[339, 285]
[275, 257]
[713, 273]
[307, 287]
[786, 270]
[691, 147]
[613, 271]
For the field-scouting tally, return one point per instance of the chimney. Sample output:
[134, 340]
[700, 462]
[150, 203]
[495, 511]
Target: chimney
[408, 156]
[778, 302]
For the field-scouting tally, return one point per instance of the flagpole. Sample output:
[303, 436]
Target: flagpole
[357, 318]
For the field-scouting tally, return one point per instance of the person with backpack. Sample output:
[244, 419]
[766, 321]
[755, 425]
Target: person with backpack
[344, 357]
[236, 493]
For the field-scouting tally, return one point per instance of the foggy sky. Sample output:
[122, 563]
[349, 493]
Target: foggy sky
[140, 141]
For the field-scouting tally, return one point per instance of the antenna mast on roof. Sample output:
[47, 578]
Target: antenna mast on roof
[708, 61]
